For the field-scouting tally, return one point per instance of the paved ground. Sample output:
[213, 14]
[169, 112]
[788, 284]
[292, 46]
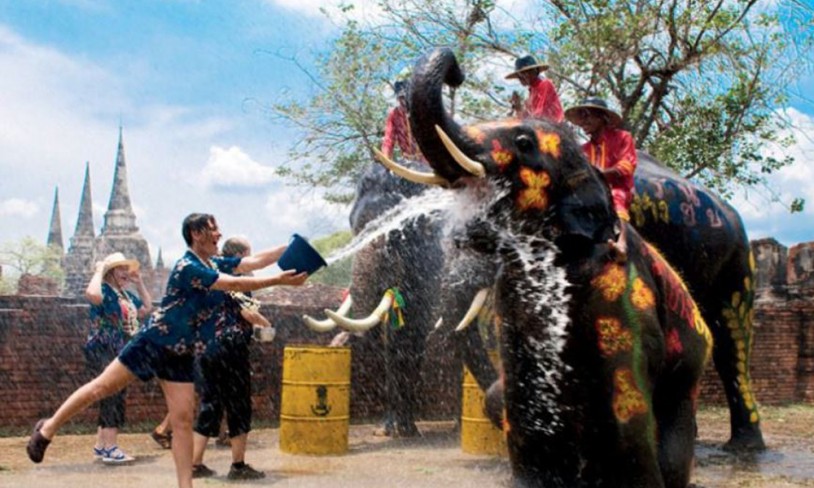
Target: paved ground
[435, 460]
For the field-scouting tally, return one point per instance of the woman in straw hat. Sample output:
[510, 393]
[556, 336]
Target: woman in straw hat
[115, 314]
[613, 151]
[543, 102]
[178, 331]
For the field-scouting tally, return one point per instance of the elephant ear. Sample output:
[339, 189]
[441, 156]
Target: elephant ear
[585, 211]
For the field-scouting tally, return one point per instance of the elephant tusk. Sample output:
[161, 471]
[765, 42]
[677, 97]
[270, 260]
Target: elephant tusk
[362, 325]
[411, 174]
[328, 324]
[474, 309]
[439, 323]
[473, 167]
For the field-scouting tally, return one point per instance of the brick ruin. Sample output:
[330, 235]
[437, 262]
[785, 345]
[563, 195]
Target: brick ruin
[41, 359]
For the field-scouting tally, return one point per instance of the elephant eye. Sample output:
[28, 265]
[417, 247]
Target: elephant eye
[524, 143]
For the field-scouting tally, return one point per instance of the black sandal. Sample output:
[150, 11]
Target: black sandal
[163, 440]
[37, 444]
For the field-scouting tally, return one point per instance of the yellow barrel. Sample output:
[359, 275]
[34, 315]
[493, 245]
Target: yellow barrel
[315, 404]
[478, 434]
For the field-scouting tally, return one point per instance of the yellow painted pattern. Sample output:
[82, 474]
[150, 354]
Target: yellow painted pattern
[628, 400]
[612, 282]
[549, 143]
[739, 317]
[534, 196]
[501, 157]
[642, 296]
[613, 337]
[643, 205]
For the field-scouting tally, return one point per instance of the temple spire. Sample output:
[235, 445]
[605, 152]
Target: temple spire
[119, 218]
[159, 263]
[55, 229]
[84, 222]
[79, 260]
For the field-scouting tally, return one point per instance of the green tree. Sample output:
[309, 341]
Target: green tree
[344, 119]
[29, 256]
[702, 85]
[338, 273]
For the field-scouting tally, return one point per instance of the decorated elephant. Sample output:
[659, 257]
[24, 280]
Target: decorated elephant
[699, 234]
[405, 266]
[583, 365]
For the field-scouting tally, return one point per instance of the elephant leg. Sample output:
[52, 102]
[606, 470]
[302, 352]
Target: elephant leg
[403, 367]
[733, 331]
[677, 431]
[733, 334]
[733, 370]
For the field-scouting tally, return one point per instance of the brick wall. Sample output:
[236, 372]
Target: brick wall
[41, 362]
[41, 358]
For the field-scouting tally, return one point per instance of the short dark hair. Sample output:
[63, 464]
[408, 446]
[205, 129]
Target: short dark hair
[195, 222]
[234, 246]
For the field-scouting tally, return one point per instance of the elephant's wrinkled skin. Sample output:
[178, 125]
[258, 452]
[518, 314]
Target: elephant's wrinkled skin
[601, 361]
[700, 235]
[410, 259]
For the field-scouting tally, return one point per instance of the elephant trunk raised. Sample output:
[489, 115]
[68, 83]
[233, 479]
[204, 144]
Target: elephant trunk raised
[427, 111]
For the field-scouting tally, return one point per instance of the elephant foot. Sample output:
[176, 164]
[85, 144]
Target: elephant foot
[745, 443]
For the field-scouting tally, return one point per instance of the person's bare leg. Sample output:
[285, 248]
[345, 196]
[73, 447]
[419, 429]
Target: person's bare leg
[109, 436]
[198, 447]
[239, 448]
[112, 380]
[180, 398]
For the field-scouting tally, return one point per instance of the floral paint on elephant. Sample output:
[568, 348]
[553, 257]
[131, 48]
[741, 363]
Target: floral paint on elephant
[739, 317]
[534, 196]
[617, 336]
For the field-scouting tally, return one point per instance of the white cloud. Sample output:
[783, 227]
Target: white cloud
[304, 212]
[17, 207]
[229, 168]
[763, 215]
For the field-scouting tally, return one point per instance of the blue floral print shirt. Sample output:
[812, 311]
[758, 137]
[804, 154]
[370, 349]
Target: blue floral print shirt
[185, 321]
[110, 320]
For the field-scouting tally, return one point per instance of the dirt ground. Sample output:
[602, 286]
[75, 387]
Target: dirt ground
[434, 460]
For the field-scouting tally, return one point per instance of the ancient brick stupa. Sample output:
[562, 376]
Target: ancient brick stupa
[119, 232]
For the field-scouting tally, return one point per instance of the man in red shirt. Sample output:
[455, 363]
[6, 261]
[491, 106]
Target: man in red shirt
[612, 150]
[543, 102]
[397, 128]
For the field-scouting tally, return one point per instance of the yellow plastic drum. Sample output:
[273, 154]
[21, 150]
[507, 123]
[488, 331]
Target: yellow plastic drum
[478, 434]
[315, 405]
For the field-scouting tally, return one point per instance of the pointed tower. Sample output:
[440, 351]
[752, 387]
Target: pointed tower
[119, 231]
[80, 259]
[119, 218]
[55, 229]
[160, 276]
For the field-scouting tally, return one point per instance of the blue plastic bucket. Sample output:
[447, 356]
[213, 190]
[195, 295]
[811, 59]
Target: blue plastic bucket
[300, 256]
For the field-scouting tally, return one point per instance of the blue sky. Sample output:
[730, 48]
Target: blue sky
[187, 80]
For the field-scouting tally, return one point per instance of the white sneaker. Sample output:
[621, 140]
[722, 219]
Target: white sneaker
[114, 455]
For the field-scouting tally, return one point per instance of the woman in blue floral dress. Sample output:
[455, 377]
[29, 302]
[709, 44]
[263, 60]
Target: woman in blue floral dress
[115, 314]
[181, 328]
